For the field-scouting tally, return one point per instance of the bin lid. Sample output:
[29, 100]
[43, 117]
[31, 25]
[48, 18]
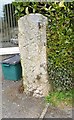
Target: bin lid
[12, 60]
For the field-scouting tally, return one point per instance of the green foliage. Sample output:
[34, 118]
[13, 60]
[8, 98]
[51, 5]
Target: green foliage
[59, 38]
[60, 44]
[57, 97]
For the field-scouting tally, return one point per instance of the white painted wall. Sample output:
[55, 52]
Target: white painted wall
[9, 50]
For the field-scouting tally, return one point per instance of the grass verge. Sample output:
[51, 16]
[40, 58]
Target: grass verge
[61, 98]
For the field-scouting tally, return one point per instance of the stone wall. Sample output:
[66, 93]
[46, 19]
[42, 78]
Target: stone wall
[32, 45]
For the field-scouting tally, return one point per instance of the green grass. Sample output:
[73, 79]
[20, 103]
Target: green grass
[59, 98]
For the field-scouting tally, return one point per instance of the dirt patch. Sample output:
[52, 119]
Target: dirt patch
[11, 94]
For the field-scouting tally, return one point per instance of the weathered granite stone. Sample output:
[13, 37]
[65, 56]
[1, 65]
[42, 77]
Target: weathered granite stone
[32, 45]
